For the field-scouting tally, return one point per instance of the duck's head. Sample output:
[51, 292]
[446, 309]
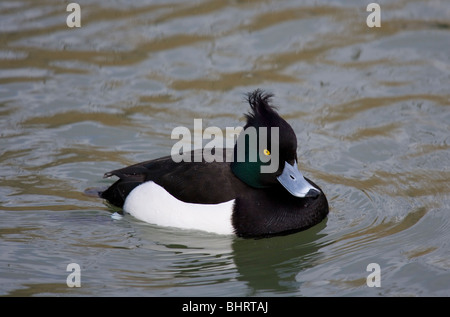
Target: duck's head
[265, 154]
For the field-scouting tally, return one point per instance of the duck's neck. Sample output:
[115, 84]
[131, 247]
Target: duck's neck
[248, 172]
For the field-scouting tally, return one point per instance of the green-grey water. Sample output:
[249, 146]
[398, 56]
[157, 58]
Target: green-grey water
[370, 107]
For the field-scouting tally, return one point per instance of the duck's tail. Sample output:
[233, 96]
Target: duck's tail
[95, 192]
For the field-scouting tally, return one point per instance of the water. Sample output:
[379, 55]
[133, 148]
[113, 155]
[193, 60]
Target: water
[370, 107]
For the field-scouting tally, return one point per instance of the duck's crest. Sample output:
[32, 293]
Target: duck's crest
[261, 109]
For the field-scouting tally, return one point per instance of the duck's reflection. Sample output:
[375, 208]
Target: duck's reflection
[267, 265]
[271, 264]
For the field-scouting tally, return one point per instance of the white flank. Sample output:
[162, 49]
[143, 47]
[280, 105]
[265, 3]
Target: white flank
[151, 203]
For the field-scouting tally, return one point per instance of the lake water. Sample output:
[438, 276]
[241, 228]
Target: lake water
[370, 107]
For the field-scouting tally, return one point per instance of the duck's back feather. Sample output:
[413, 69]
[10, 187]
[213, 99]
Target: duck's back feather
[193, 182]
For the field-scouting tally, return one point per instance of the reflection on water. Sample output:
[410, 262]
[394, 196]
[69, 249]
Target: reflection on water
[370, 107]
[270, 265]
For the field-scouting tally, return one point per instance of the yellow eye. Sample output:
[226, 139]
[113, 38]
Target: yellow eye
[266, 152]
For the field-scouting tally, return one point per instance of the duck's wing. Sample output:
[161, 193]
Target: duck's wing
[195, 182]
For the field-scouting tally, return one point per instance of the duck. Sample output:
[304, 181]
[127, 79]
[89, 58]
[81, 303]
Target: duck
[232, 196]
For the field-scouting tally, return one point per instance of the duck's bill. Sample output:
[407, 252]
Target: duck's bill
[294, 182]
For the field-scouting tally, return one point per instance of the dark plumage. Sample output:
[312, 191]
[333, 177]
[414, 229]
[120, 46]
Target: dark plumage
[263, 208]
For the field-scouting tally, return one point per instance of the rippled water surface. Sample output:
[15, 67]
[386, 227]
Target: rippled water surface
[370, 106]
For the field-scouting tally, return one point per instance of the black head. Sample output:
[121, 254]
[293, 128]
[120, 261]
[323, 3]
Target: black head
[265, 154]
